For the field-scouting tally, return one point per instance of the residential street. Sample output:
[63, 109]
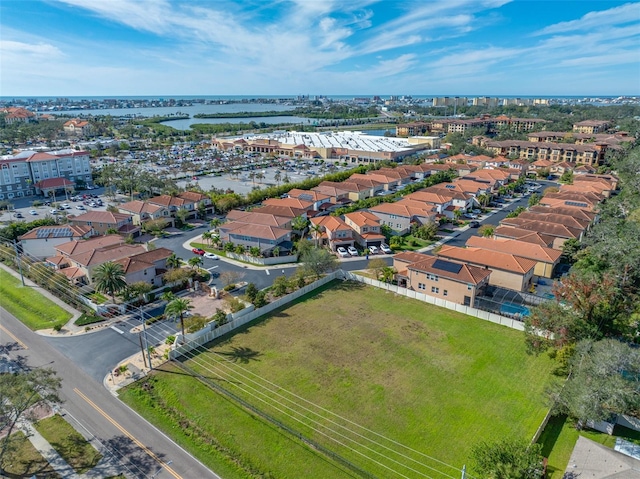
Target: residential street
[141, 449]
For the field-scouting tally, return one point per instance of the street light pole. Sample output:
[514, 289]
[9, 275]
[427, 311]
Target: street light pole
[146, 340]
[15, 248]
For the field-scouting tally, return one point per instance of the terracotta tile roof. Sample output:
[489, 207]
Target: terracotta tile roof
[77, 247]
[108, 253]
[73, 272]
[364, 180]
[308, 195]
[331, 223]
[331, 189]
[363, 218]
[290, 202]
[54, 183]
[167, 200]
[566, 203]
[550, 229]
[574, 212]
[409, 257]
[286, 211]
[255, 217]
[106, 217]
[513, 246]
[383, 179]
[561, 219]
[57, 231]
[491, 259]
[144, 260]
[467, 274]
[431, 197]
[42, 156]
[488, 174]
[193, 196]
[403, 210]
[523, 235]
[138, 207]
[57, 260]
[585, 187]
[257, 231]
[451, 193]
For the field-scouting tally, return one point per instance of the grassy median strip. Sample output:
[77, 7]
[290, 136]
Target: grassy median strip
[427, 377]
[69, 443]
[24, 460]
[29, 305]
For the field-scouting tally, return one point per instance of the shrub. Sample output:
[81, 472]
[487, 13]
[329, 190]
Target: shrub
[235, 304]
[88, 318]
[170, 339]
[250, 292]
[260, 300]
[230, 287]
[57, 327]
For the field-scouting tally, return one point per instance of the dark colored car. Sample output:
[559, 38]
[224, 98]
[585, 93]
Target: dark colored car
[474, 224]
[198, 251]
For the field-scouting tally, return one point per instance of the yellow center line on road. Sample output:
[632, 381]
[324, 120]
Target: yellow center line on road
[24, 346]
[129, 435]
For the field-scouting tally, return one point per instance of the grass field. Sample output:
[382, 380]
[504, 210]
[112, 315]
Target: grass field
[425, 377]
[73, 448]
[26, 461]
[28, 305]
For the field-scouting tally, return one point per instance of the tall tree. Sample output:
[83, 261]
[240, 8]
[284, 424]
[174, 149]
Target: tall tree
[174, 261]
[318, 261]
[109, 278]
[20, 395]
[195, 262]
[604, 381]
[178, 308]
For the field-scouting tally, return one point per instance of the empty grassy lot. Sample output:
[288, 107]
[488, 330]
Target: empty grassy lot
[425, 377]
[28, 305]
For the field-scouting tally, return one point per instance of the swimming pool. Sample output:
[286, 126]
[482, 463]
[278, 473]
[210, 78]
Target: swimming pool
[511, 308]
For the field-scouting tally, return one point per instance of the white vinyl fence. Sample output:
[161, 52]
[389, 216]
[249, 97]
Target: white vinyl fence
[210, 332]
[478, 313]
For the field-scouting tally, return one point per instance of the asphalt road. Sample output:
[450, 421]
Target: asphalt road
[141, 450]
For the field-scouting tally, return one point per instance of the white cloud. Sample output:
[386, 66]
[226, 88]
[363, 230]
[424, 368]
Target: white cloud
[37, 51]
[597, 20]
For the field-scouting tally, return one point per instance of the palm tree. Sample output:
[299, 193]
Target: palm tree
[178, 307]
[277, 177]
[174, 261]
[195, 262]
[109, 278]
[207, 236]
[316, 229]
[215, 222]
[167, 296]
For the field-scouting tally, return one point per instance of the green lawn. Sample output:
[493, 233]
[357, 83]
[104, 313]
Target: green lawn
[70, 444]
[429, 378]
[28, 305]
[24, 460]
[559, 438]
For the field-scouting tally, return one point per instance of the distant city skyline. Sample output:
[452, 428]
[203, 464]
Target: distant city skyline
[298, 47]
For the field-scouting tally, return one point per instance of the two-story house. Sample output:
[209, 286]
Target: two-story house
[399, 216]
[40, 242]
[332, 231]
[143, 211]
[103, 221]
[366, 227]
[314, 197]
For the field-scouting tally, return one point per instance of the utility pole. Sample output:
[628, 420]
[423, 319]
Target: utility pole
[464, 471]
[15, 248]
[146, 340]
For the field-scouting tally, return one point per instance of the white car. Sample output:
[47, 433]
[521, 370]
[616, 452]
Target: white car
[385, 249]
[54, 211]
[352, 251]
[373, 249]
[342, 252]
[211, 256]
[33, 212]
[80, 207]
[65, 206]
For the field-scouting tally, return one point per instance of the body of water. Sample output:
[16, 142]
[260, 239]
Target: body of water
[186, 123]
[175, 110]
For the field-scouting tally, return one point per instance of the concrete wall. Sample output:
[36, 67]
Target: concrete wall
[264, 261]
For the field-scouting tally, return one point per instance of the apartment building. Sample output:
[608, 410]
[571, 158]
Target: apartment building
[43, 173]
[591, 126]
[590, 154]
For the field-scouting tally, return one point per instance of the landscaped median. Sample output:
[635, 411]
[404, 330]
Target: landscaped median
[28, 305]
[431, 379]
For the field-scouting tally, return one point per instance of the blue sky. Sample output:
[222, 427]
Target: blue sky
[291, 47]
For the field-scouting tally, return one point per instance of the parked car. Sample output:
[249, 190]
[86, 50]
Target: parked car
[65, 206]
[17, 215]
[474, 224]
[198, 251]
[33, 212]
[373, 249]
[342, 252]
[80, 207]
[385, 249]
[54, 211]
[211, 256]
[352, 251]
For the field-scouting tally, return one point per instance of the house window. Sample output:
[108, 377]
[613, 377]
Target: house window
[422, 286]
[445, 292]
[435, 290]
[469, 287]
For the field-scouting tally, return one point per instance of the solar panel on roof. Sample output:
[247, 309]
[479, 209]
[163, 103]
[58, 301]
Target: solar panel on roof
[447, 266]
